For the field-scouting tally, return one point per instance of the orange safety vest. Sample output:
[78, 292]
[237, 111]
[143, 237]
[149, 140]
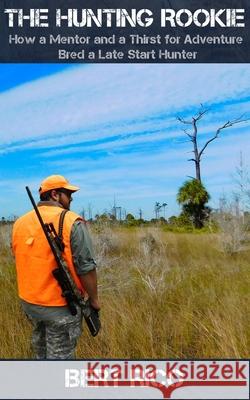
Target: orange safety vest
[35, 260]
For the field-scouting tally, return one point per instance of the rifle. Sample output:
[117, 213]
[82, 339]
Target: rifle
[63, 275]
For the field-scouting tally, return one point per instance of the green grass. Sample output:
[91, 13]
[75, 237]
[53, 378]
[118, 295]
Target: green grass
[163, 295]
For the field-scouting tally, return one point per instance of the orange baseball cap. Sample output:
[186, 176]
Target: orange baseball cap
[56, 182]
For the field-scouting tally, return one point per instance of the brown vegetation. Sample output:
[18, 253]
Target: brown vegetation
[163, 295]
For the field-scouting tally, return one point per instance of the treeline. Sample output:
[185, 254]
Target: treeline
[216, 220]
[8, 220]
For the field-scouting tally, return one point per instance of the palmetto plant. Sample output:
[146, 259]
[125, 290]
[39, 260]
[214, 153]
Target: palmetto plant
[193, 197]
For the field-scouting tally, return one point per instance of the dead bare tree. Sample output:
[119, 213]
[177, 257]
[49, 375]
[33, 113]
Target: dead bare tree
[193, 136]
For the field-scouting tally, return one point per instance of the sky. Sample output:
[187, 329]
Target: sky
[112, 129]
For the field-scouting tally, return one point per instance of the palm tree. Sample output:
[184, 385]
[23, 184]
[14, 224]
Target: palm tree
[193, 197]
[164, 205]
[157, 209]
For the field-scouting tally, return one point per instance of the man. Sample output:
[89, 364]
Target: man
[55, 330]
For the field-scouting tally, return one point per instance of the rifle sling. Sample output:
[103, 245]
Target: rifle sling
[60, 225]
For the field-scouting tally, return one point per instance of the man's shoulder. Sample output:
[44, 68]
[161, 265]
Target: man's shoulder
[24, 217]
[73, 217]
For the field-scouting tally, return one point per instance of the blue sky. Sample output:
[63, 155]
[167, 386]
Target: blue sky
[112, 130]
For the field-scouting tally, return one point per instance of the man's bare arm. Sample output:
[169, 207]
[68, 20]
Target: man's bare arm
[89, 282]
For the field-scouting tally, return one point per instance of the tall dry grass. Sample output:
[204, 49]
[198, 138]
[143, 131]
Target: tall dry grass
[163, 295]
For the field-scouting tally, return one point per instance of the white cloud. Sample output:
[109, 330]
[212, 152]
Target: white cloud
[123, 103]
[83, 97]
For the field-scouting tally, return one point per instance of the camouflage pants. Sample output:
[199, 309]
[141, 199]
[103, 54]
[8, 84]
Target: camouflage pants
[56, 339]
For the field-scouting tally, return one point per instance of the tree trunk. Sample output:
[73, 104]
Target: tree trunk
[196, 152]
[198, 170]
[193, 137]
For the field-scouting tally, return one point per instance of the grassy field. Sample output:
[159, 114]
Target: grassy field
[163, 295]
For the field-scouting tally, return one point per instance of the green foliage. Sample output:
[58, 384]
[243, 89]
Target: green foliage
[102, 218]
[193, 197]
[192, 192]
[131, 221]
[130, 217]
